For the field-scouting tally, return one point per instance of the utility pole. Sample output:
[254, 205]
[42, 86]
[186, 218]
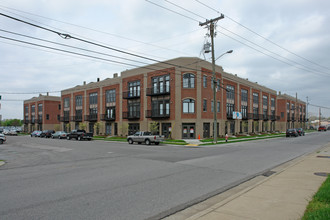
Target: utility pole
[214, 81]
[307, 114]
[319, 117]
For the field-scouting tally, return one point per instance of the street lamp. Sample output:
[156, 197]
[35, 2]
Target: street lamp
[215, 136]
[229, 51]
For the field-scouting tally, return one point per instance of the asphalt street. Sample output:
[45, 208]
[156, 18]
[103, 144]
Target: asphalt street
[61, 179]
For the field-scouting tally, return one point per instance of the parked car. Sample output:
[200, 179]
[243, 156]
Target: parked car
[2, 138]
[79, 135]
[36, 133]
[322, 128]
[10, 132]
[59, 134]
[292, 132]
[47, 133]
[301, 132]
[145, 137]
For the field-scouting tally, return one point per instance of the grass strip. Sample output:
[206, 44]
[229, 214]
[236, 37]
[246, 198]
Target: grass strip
[319, 207]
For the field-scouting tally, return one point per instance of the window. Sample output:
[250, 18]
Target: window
[287, 106]
[218, 84]
[26, 111]
[230, 108]
[93, 111]
[161, 84]
[134, 109]
[161, 107]
[78, 100]
[212, 106]
[33, 109]
[110, 96]
[244, 110]
[47, 117]
[188, 106]
[204, 81]
[265, 101]
[66, 102]
[218, 106]
[204, 105]
[255, 98]
[244, 95]
[93, 98]
[39, 107]
[58, 117]
[59, 107]
[134, 89]
[188, 80]
[230, 92]
[282, 114]
[272, 102]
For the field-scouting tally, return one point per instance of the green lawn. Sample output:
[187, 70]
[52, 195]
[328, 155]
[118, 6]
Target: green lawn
[319, 207]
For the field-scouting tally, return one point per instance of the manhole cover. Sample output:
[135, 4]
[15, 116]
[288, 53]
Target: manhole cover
[321, 174]
[323, 156]
[268, 173]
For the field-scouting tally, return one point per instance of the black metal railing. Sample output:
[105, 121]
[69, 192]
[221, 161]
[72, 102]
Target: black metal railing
[156, 114]
[26, 121]
[131, 95]
[65, 119]
[158, 91]
[131, 115]
[76, 118]
[92, 117]
[106, 117]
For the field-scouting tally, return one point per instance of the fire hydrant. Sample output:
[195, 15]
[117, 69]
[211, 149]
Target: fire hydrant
[226, 137]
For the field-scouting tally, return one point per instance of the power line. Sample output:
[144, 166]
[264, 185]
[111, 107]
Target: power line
[270, 41]
[103, 32]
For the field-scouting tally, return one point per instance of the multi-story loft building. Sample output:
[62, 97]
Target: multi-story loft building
[178, 95]
[41, 113]
[292, 112]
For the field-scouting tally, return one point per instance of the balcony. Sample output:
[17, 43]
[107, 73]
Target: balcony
[157, 92]
[92, 117]
[26, 121]
[65, 119]
[39, 121]
[288, 118]
[156, 114]
[274, 117]
[76, 118]
[131, 95]
[245, 116]
[265, 117]
[254, 116]
[131, 115]
[229, 115]
[106, 117]
[33, 121]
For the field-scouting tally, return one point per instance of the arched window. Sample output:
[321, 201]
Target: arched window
[188, 106]
[188, 80]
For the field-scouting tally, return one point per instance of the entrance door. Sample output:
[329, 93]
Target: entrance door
[188, 131]
[206, 130]
[133, 128]
[166, 129]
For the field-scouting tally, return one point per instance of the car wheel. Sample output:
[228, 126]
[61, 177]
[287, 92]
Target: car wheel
[79, 138]
[53, 137]
[68, 138]
[130, 141]
[157, 143]
[147, 142]
[1, 141]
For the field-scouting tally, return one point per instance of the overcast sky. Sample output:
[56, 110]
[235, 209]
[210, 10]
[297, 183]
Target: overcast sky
[293, 54]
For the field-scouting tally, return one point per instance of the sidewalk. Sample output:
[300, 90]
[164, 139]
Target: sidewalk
[282, 195]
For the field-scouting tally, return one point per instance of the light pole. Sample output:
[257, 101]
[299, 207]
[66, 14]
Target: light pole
[215, 136]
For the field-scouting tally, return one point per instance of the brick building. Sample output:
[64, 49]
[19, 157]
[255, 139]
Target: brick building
[41, 113]
[291, 111]
[178, 95]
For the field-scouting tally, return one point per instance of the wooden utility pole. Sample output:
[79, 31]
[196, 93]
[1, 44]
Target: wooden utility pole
[214, 81]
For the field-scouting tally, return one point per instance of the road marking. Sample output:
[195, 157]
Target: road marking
[45, 147]
[110, 152]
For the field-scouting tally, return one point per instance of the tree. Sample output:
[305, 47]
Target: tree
[154, 127]
[57, 127]
[124, 129]
[12, 122]
[97, 126]
[82, 126]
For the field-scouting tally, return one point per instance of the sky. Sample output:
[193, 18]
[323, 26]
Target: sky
[283, 45]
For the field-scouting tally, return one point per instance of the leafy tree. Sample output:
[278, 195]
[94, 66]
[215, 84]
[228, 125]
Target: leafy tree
[154, 127]
[57, 127]
[82, 126]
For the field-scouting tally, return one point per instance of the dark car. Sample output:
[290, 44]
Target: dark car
[47, 133]
[2, 138]
[36, 134]
[292, 132]
[322, 128]
[301, 132]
